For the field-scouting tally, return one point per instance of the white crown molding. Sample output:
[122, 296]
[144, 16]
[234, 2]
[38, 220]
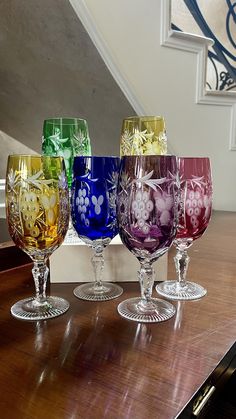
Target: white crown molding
[199, 45]
[84, 15]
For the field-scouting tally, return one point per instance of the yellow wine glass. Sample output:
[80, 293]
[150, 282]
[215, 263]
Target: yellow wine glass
[143, 135]
[37, 209]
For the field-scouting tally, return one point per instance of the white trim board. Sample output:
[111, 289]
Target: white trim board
[198, 45]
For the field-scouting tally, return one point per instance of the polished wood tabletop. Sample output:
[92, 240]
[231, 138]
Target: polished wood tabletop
[91, 363]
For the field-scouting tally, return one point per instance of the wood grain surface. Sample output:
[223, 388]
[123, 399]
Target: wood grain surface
[91, 363]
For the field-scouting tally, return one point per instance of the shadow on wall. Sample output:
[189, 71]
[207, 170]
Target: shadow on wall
[10, 146]
[51, 68]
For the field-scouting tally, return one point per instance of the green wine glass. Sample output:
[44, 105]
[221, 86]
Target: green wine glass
[66, 137]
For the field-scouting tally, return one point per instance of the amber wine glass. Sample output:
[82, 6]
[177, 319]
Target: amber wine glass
[37, 209]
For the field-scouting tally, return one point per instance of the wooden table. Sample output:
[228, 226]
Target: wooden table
[91, 363]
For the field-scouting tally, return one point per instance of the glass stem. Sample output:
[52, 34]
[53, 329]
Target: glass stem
[181, 265]
[40, 275]
[98, 265]
[146, 279]
[70, 227]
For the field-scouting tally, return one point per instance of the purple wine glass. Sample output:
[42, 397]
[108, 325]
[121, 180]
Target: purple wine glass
[147, 220]
[194, 216]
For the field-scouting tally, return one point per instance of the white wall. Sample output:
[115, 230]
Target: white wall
[159, 80]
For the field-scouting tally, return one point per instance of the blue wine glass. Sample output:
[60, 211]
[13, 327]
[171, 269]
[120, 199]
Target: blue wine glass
[93, 207]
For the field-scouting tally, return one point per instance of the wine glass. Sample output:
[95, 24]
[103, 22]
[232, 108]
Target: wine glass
[66, 137]
[194, 217]
[94, 191]
[37, 208]
[147, 219]
[143, 135]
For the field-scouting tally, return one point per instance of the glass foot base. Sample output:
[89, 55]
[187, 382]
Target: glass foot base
[132, 309]
[28, 309]
[107, 291]
[174, 291]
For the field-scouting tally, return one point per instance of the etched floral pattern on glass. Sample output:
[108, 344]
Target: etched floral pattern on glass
[66, 137]
[195, 207]
[143, 135]
[147, 218]
[94, 191]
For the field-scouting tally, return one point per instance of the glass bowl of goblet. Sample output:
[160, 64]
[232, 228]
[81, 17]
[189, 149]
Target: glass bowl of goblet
[147, 219]
[194, 216]
[37, 208]
[66, 137]
[93, 208]
[143, 135]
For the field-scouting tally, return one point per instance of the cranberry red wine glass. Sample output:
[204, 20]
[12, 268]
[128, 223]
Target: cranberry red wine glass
[94, 191]
[147, 217]
[194, 216]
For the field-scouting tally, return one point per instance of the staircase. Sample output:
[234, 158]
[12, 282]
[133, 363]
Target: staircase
[215, 19]
[163, 71]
